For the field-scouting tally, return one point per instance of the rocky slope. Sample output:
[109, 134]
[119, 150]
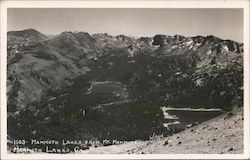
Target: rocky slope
[52, 82]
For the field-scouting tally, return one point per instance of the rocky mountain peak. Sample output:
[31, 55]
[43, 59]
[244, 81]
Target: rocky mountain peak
[28, 34]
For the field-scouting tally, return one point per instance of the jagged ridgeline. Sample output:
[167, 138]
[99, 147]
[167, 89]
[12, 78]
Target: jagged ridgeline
[80, 86]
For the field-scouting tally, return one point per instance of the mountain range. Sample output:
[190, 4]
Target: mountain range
[53, 80]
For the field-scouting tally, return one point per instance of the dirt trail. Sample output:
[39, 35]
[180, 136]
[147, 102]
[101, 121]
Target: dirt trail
[223, 134]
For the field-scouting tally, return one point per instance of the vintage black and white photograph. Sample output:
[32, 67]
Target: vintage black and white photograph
[125, 80]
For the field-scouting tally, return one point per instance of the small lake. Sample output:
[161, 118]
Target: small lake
[106, 87]
[187, 117]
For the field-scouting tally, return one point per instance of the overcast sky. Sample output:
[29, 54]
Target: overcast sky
[223, 23]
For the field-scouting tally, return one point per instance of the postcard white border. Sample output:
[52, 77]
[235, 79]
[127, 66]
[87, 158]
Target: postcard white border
[122, 4]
